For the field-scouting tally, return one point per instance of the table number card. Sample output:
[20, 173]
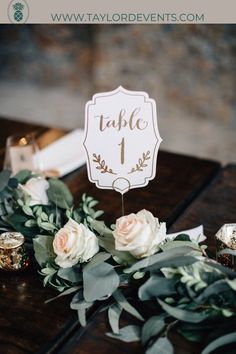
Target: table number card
[121, 139]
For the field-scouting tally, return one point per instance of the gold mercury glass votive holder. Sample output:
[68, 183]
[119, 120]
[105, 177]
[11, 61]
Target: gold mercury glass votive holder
[226, 245]
[12, 251]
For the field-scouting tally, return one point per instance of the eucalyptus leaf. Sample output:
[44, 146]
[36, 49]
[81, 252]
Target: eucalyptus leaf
[173, 257]
[98, 213]
[92, 203]
[182, 237]
[97, 259]
[106, 240]
[161, 346]
[27, 210]
[44, 216]
[47, 226]
[156, 286]
[152, 328]
[48, 271]
[23, 176]
[59, 194]
[4, 178]
[114, 313]
[119, 297]
[76, 216]
[30, 223]
[64, 293]
[13, 183]
[39, 210]
[178, 243]
[232, 284]
[46, 279]
[227, 271]
[17, 221]
[72, 274]
[101, 228]
[219, 342]
[184, 315]
[20, 202]
[43, 249]
[51, 218]
[2, 209]
[215, 289]
[99, 281]
[78, 301]
[194, 333]
[82, 316]
[8, 206]
[127, 334]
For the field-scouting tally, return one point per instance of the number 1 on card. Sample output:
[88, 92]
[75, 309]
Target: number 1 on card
[122, 151]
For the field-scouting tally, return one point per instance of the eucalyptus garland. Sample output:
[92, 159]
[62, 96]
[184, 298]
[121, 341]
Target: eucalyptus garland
[78, 254]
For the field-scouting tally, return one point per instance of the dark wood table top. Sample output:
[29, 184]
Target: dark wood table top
[185, 187]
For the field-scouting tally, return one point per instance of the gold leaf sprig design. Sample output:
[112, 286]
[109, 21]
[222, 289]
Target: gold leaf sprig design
[102, 165]
[140, 165]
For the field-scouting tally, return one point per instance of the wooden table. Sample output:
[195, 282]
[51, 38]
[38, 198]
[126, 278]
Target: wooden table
[187, 191]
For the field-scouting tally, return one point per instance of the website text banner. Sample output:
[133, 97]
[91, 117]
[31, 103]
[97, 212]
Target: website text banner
[118, 12]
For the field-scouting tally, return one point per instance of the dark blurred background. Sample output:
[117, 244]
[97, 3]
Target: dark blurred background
[48, 72]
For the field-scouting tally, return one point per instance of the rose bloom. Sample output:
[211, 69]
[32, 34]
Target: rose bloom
[139, 234]
[36, 188]
[74, 243]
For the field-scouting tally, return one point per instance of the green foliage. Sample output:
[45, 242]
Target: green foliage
[152, 328]
[59, 194]
[99, 281]
[196, 297]
[125, 305]
[192, 293]
[171, 257]
[182, 237]
[59, 278]
[127, 334]
[161, 346]
[87, 211]
[81, 305]
[23, 176]
[4, 179]
[114, 313]
[156, 286]
[43, 249]
[107, 241]
[219, 342]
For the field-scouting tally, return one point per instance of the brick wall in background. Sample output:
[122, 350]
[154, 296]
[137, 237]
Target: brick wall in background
[47, 56]
[193, 67]
[47, 73]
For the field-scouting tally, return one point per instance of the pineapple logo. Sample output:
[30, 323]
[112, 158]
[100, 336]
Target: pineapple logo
[18, 15]
[18, 11]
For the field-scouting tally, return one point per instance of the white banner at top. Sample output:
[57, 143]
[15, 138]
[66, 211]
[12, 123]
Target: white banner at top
[117, 12]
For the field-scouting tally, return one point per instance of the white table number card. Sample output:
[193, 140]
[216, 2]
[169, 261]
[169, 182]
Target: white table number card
[121, 139]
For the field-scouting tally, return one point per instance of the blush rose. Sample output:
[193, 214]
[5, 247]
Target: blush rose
[140, 234]
[74, 243]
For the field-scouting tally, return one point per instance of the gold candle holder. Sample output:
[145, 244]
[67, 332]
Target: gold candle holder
[226, 245]
[12, 251]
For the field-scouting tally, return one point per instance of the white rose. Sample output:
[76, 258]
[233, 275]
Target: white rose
[74, 243]
[139, 234]
[36, 188]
